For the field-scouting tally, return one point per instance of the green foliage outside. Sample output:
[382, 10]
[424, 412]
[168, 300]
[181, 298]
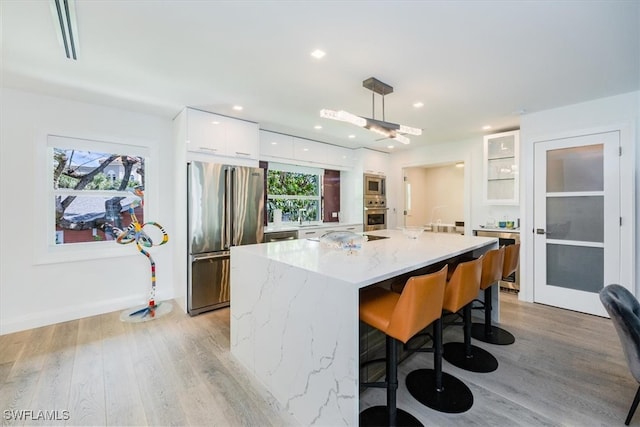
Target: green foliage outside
[292, 184]
[306, 186]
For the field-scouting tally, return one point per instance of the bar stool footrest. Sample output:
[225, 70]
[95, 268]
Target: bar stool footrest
[497, 336]
[480, 361]
[454, 398]
[377, 416]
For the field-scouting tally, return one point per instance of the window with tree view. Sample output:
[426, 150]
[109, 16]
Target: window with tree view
[93, 191]
[296, 193]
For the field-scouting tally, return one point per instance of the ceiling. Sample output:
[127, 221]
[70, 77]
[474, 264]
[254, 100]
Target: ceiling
[472, 63]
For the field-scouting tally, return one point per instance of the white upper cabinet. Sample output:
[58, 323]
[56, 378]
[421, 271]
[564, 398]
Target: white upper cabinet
[375, 162]
[501, 177]
[276, 145]
[309, 151]
[339, 156]
[242, 139]
[205, 132]
[222, 136]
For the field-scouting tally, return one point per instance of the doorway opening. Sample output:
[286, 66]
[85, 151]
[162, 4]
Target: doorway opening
[434, 196]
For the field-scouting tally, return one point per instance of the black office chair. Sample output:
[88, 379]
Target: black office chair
[624, 310]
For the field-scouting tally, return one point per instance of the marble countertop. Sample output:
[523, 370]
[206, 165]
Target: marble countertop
[375, 261]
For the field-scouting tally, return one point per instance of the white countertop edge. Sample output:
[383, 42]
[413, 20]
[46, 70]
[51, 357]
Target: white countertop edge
[291, 253]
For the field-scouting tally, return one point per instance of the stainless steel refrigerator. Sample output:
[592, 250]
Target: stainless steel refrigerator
[225, 209]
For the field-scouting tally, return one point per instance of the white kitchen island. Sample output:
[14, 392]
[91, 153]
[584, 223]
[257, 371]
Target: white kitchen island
[294, 313]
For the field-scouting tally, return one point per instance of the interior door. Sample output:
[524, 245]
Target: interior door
[577, 220]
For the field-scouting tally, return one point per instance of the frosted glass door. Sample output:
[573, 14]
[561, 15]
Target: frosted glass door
[577, 220]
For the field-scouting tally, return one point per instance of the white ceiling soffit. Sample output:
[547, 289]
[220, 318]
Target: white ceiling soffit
[471, 63]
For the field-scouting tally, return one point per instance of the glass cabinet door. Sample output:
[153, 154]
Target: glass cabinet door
[501, 176]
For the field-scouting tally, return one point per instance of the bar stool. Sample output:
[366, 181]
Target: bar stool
[399, 317]
[494, 268]
[463, 354]
[432, 387]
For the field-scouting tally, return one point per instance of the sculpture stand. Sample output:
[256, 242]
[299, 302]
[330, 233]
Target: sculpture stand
[135, 234]
[143, 313]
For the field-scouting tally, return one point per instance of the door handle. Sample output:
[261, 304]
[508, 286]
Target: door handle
[540, 231]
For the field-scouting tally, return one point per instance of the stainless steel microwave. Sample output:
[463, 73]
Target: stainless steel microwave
[374, 185]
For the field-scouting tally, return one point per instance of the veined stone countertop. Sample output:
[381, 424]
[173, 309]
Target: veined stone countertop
[375, 261]
[294, 314]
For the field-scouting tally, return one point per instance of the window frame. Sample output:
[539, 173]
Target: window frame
[46, 249]
[284, 167]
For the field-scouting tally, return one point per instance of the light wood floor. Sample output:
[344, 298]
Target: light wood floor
[565, 369]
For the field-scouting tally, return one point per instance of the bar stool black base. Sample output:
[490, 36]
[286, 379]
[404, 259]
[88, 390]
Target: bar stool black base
[377, 416]
[454, 398]
[497, 335]
[480, 360]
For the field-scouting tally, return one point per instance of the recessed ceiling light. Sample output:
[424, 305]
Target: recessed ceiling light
[317, 127]
[215, 122]
[237, 107]
[486, 127]
[318, 54]
[390, 146]
[418, 104]
[274, 143]
[460, 164]
[352, 136]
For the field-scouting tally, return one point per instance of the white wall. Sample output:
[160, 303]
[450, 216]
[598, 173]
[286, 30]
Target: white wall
[436, 194]
[620, 112]
[476, 212]
[35, 291]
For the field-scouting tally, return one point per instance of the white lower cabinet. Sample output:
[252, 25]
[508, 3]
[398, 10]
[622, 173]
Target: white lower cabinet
[354, 228]
[305, 233]
[316, 232]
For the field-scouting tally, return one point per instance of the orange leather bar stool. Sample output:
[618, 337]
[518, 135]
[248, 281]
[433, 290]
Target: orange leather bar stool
[497, 264]
[464, 288]
[400, 317]
[432, 387]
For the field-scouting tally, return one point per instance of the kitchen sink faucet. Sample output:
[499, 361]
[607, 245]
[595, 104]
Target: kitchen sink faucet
[300, 211]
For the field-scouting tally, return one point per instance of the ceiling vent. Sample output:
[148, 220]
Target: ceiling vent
[64, 17]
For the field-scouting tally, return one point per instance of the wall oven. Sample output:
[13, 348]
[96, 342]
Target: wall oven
[374, 185]
[375, 213]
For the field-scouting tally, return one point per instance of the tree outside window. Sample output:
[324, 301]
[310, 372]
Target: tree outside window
[92, 190]
[297, 194]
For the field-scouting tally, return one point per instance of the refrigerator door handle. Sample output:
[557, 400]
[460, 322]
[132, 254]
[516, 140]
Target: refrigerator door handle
[227, 210]
[232, 210]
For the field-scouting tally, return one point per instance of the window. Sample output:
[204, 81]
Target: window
[295, 190]
[93, 187]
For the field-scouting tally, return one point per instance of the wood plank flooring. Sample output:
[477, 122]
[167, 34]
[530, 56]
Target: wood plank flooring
[565, 369]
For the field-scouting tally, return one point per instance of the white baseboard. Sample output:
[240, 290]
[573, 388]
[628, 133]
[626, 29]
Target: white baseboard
[64, 314]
